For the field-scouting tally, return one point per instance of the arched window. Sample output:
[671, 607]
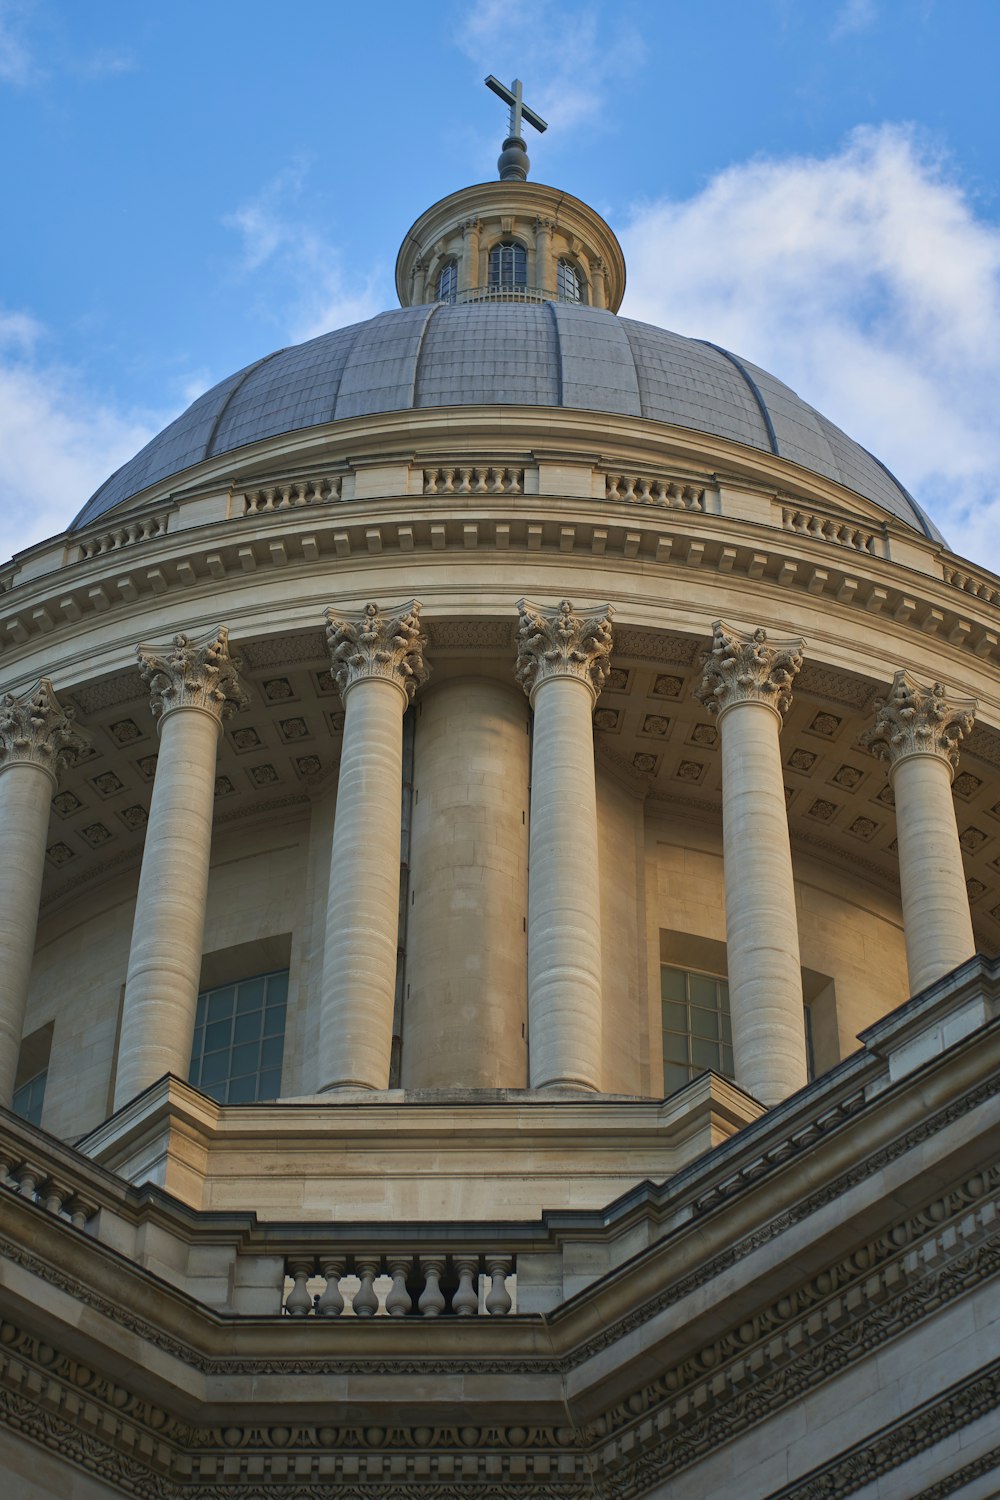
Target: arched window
[447, 283]
[508, 266]
[569, 288]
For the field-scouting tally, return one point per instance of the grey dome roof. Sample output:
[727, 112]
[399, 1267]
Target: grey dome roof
[548, 354]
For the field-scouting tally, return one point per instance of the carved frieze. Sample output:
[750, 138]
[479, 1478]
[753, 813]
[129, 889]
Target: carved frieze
[35, 727]
[917, 720]
[743, 667]
[386, 646]
[557, 642]
[193, 674]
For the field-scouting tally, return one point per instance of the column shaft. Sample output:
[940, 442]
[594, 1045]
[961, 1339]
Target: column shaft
[359, 968]
[937, 923]
[765, 979]
[464, 1013]
[564, 899]
[25, 800]
[164, 968]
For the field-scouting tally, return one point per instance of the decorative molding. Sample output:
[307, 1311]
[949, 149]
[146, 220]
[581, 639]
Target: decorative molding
[556, 642]
[918, 720]
[193, 674]
[842, 687]
[284, 650]
[36, 730]
[741, 667]
[143, 529]
[468, 634]
[110, 692]
[655, 646]
[386, 647]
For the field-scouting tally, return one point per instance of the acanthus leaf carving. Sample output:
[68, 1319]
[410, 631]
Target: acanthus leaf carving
[36, 728]
[917, 720]
[743, 667]
[557, 642]
[381, 646]
[193, 673]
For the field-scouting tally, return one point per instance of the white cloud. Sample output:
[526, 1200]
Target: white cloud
[307, 290]
[16, 64]
[569, 56]
[868, 283]
[58, 440]
[852, 17]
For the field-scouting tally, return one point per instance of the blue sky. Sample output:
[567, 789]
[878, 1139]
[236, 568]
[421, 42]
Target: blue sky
[186, 186]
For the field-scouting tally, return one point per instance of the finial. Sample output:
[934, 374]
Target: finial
[513, 163]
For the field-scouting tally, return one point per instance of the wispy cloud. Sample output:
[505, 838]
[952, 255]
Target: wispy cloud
[868, 282]
[26, 61]
[300, 269]
[571, 56]
[106, 62]
[17, 66]
[58, 440]
[852, 17]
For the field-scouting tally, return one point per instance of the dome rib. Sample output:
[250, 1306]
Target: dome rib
[506, 354]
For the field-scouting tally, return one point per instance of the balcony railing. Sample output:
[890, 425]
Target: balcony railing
[507, 294]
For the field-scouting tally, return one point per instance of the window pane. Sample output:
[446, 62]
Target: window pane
[673, 984]
[704, 1054]
[277, 988]
[220, 1003]
[704, 1023]
[199, 1015]
[675, 1048]
[198, 1044]
[274, 1021]
[727, 1062]
[29, 1098]
[703, 991]
[242, 1090]
[724, 996]
[247, 1028]
[218, 1035]
[215, 1068]
[727, 1029]
[271, 1052]
[675, 1016]
[270, 1084]
[249, 995]
[674, 1077]
[215, 1091]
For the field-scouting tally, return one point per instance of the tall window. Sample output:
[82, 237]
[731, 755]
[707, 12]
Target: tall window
[508, 266]
[696, 1028]
[568, 285]
[447, 284]
[239, 1036]
[29, 1098]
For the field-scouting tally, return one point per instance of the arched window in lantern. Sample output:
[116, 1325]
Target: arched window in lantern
[569, 287]
[508, 268]
[447, 282]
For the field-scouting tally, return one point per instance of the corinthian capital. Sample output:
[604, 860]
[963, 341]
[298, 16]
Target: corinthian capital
[741, 667]
[387, 646]
[193, 674]
[37, 729]
[558, 643]
[917, 720]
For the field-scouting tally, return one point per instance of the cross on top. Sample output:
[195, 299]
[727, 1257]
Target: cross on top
[518, 109]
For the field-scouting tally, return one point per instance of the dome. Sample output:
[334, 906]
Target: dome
[498, 353]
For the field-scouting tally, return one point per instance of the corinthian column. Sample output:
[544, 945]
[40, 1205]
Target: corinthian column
[378, 664]
[748, 684]
[37, 737]
[194, 685]
[562, 664]
[918, 731]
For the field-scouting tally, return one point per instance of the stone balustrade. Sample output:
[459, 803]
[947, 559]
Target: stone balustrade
[31, 1177]
[830, 529]
[480, 479]
[399, 1284]
[674, 494]
[292, 495]
[143, 529]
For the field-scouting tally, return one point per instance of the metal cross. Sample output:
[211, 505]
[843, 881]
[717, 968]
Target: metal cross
[518, 109]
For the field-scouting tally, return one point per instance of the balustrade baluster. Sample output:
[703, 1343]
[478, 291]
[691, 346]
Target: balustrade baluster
[498, 1300]
[465, 1301]
[298, 1303]
[81, 1211]
[365, 1298]
[54, 1195]
[29, 1176]
[330, 1304]
[399, 1302]
[431, 1303]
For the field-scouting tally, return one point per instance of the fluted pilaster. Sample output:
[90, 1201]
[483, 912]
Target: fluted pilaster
[378, 664]
[747, 681]
[562, 664]
[194, 685]
[37, 737]
[917, 732]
